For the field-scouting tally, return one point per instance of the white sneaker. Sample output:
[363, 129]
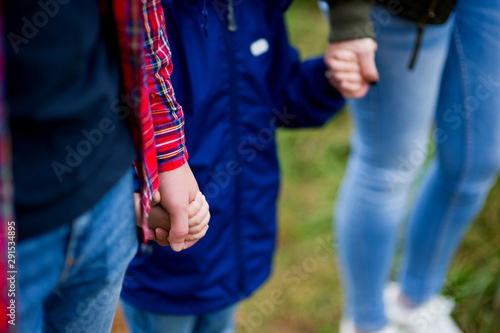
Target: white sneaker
[431, 317]
[347, 326]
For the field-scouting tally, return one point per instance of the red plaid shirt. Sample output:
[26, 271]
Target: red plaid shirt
[158, 120]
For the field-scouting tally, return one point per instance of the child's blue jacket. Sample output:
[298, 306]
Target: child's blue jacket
[235, 87]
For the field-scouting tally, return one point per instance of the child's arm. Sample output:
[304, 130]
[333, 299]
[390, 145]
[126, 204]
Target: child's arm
[159, 220]
[310, 98]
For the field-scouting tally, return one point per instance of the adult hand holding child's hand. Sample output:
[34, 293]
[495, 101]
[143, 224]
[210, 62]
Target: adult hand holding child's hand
[351, 66]
[159, 220]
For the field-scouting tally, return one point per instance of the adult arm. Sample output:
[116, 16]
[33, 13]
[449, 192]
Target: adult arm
[350, 57]
[177, 185]
[350, 19]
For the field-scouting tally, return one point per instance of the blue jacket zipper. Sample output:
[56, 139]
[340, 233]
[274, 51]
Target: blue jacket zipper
[233, 104]
[231, 21]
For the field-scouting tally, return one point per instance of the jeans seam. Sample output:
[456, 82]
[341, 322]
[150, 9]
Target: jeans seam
[374, 100]
[352, 238]
[452, 203]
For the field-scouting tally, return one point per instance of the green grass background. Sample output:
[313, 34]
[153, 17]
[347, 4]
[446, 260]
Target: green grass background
[304, 294]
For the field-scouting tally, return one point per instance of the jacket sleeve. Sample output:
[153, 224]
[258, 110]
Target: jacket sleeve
[167, 114]
[310, 99]
[350, 19]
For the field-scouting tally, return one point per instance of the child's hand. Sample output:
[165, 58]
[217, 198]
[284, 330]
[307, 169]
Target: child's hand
[199, 216]
[159, 221]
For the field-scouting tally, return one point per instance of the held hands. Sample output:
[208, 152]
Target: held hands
[159, 220]
[177, 190]
[351, 66]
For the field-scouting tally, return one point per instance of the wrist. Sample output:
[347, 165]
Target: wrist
[350, 20]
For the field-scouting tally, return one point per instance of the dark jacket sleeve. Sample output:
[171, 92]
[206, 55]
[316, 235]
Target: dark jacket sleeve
[310, 99]
[350, 19]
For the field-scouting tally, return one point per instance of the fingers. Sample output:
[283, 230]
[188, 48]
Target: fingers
[156, 199]
[200, 214]
[138, 209]
[161, 237]
[342, 54]
[190, 243]
[346, 76]
[350, 85]
[336, 65]
[351, 66]
[178, 189]
[368, 67]
[179, 227]
[158, 217]
[354, 89]
[196, 204]
[158, 235]
[200, 224]
[199, 235]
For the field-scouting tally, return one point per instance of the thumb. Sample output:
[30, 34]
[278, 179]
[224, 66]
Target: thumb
[179, 228]
[156, 198]
[368, 67]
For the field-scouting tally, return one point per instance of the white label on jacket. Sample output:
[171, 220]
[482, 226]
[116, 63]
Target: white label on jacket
[260, 46]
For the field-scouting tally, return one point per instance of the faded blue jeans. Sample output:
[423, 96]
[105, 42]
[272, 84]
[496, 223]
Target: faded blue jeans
[142, 321]
[454, 86]
[70, 278]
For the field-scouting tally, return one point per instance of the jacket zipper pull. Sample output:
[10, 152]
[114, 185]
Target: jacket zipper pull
[231, 21]
[421, 24]
[416, 47]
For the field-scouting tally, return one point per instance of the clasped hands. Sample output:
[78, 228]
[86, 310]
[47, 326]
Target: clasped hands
[351, 66]
[179, 212]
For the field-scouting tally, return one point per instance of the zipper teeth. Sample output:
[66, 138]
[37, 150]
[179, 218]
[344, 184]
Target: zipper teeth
[233, 104]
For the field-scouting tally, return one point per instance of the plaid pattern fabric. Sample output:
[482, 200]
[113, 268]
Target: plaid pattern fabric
[158, 120]
[167, 114]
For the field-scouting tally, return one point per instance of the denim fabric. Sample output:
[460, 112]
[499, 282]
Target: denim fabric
[455, 86]
[141, 321]
[70, 278]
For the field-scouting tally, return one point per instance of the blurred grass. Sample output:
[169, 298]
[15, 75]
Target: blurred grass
[304, 294]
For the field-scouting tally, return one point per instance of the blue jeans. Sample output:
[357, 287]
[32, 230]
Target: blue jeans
[456, 86]
[142, 321]
[70, 278]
